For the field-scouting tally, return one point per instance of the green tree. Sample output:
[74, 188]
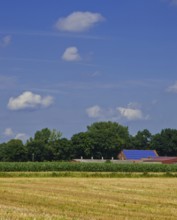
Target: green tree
[107, 138]
[42, 146]
[166, 142]
[3, 152]
[141, 140]
[62, 149]
[38, 151]
[43, 135]
[14, 150]
[82, 145]
[54, 136]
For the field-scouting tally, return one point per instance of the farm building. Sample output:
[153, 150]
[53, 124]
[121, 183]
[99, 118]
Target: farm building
[145, 156]
[164, 160]
[137, 154]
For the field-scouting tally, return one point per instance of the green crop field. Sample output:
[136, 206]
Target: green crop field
[84, 167]
[88, 198]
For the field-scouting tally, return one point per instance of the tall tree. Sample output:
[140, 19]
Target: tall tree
[166, 142]
[82, 145]
[54, 136]
[39, 151]
[3, 153]
[42, 135]
[141, 140]
[14, 150]
[62, 149]
[42, 146]
[107, 138]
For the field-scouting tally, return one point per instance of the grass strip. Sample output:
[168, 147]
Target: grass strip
[88, 174]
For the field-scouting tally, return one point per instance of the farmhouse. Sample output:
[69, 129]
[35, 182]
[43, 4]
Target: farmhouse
[145, 156]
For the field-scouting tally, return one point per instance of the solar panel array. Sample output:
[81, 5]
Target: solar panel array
[139, 154]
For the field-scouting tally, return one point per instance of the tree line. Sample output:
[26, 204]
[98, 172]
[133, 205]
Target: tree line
[101, 139]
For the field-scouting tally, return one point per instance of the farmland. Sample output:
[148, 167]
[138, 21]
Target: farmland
[88, 198]
[84, 167]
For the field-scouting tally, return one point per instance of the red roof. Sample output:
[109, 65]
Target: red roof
[167, 160]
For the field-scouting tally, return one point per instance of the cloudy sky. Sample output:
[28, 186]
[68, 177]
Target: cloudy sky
[67, 64]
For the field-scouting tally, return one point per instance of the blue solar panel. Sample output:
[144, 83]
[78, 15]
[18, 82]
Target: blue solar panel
[139, 154]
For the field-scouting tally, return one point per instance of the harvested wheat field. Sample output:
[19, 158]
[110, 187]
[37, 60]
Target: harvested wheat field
[88, 198]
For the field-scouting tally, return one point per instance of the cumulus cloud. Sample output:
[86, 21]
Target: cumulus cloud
[5, 41]
[94, 111]
[22, 136]
[130, 113]
[29, 100]
[8, 132]
[106, 114]
[11, 134]
[172, 88]
[71, 54]
[78, 21]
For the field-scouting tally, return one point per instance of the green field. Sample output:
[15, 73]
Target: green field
[88, 198]
[85, 167]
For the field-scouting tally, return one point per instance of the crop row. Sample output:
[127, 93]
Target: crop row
[80, 167]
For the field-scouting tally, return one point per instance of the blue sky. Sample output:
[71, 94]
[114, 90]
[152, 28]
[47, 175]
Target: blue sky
[67, 64]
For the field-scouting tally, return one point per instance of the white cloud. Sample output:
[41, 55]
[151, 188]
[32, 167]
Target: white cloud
[8, 132]
[71, 54]
[130, 113]
[78, 21]
[94, 111]
[172, 88]
[5, 41]
[29, 100]
[22, 136]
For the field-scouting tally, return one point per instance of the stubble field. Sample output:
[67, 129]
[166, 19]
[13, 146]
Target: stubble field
[88, 198]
